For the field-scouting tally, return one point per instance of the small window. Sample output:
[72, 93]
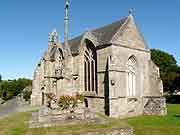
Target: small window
[131, 76]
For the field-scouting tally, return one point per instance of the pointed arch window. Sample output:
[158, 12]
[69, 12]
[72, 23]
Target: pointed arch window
[90, 67]
[131, 76]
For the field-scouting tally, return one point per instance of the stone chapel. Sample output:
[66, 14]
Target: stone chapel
[111, 66]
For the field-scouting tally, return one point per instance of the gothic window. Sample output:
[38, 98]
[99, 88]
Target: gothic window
[131, 76]
[59, 57]
[85, 75]
[90, 67]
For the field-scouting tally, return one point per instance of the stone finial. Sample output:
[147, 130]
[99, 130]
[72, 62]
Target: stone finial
[67, 3]
[53, 36]
[132, 11]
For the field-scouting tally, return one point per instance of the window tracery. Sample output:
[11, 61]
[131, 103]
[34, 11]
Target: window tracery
[90, 67]
[131, 76]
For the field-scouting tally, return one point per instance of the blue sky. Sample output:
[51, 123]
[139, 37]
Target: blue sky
[25, 24]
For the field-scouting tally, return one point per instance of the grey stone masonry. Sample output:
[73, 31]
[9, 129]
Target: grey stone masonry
[111, 66]
[120, 131]
[154, 106]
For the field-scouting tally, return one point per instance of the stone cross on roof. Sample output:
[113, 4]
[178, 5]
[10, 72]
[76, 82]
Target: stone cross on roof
[54, 36]
[132, 11]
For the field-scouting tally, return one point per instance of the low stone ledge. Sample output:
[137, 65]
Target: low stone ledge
[49, 118]
[120, 131]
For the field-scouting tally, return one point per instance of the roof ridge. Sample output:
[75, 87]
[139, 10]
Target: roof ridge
[122, 26]
[110, 24]
[102, 34]
[94, 30]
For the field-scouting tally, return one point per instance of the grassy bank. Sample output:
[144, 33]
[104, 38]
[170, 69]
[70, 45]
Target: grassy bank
[157, 125]
[16, 124]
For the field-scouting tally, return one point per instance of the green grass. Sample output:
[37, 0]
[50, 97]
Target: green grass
[16, 124]
[158, 125]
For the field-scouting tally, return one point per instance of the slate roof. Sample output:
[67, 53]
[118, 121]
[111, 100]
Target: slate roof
[103, 35]
[53, 52]
[55, 49]
[75, 44]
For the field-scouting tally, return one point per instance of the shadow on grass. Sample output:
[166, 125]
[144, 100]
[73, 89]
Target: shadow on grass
[177, 116]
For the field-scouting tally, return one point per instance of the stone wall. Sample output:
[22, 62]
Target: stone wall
[120, 131]
[36, 95]
[119, 69]
[129, 36]
[122, 105]
[156, 84]
[126, 107]
[102, 59]
[113, 70]
[96, 104]
[154, 106]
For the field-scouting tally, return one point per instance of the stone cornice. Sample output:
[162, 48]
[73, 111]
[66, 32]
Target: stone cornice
[99, 47]
[120, 45]
[111, 70]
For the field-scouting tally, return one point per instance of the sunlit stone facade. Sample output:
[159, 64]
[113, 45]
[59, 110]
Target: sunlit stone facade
[110, 65]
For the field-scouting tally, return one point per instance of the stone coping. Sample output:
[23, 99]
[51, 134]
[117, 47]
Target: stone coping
[115, 131]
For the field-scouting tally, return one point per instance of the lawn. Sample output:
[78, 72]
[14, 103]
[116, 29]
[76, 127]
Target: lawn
[157, 125]
[16, 124]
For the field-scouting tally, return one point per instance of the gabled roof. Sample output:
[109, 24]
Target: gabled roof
[102, 35]
[75, 44]
[105, 33]
[55, 49]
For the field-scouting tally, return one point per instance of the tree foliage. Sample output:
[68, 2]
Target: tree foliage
[11, 88]
[162, 59]
[169, 70]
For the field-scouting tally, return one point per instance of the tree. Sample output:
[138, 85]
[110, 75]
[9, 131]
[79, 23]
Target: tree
[11, 88]
[169, 70]
[22, 83]
[162, 59]
[8, 89]
[176, 83]
[0, 85]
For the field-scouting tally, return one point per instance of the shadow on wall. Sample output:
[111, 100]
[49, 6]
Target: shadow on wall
[86, 102]
[106, 90]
